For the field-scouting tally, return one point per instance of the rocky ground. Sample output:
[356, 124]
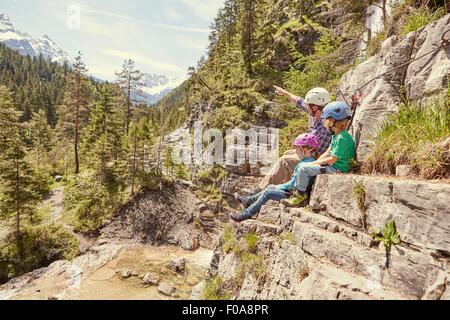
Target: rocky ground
[326, 251]
[151, 249]
[172, 216]
[115, 272]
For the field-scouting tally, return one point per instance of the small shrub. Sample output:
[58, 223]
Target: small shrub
[286, 236]
[250, 263]
[252, 242]
[389, 235]
[227, 118]
[359, 192]
[213, 290]
[421, 17]
[413, 136]
[211, 176]
[38, 247]
[42, 214]
[374, 45]
[303, 270]
[88, 202]
[229, 240]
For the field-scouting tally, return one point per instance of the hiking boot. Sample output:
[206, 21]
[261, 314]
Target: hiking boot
[253, 191]
[238, 217]
[246, 201]
[296, 200]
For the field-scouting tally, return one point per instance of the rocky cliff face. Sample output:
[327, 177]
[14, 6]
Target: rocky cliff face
[325, 253]
[422, 78]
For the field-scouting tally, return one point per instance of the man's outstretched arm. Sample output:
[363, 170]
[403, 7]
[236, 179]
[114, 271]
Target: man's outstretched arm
[299, 102]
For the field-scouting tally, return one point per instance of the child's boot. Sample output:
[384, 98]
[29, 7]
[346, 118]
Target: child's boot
[296, 200]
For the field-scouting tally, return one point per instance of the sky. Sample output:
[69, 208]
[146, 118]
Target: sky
[161, 36]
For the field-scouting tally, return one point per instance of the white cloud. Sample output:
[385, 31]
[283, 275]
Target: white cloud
[205, 9]
[156, 66]
[90, 10]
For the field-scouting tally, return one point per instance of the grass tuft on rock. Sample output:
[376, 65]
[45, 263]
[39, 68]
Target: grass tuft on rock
[418, 136]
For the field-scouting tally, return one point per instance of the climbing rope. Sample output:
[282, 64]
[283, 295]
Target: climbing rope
[357, 94]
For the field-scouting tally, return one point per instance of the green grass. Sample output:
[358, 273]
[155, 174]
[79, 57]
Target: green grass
[421, 17]
[286, 236]
[374, 45]
[229, 240]
[252, 242]
[414, 137]
[250, 263]
[359, 192]
[38, 247]
[213, 290]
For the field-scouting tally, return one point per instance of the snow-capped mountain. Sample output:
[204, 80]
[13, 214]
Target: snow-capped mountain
[157, 87]
[27, 45]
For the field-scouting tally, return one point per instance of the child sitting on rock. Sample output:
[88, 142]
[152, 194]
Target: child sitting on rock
[306, 146]
[335, 160]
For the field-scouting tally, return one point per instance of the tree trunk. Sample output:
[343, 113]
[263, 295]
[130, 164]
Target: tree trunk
[128, 104]
[77, 161]
[134, 164]
[17, 202]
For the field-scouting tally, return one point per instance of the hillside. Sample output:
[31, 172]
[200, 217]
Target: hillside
[380, 232]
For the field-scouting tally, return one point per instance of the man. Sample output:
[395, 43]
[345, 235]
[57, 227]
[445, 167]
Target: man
[313, 104]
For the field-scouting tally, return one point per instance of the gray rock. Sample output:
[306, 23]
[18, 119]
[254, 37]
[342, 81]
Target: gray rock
[419, 208]
[381, 98]
[178, 265]
[150, 279]
[197, 291]
[189, 243]
[166, 289]
[402, 170]
[58, 178]
[125, 274]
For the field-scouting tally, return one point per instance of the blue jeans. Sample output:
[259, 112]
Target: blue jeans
[308, 172]
[262, 198]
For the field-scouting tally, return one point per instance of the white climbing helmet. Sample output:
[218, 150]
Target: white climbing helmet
[319, 97]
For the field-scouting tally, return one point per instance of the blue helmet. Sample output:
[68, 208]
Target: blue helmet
[337, 110]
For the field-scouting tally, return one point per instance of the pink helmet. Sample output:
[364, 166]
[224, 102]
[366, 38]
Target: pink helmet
[307, 140]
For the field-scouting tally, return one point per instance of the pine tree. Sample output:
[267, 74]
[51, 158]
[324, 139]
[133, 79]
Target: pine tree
[102, 142]
[247, 22]
[130, 80]
[41, 136]
[74, 111]
[17, 193]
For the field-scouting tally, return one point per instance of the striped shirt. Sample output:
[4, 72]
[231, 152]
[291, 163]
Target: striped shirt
[316, 127]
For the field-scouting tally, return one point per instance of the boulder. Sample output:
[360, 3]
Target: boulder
[125, 273]
[178, 265]
[424, 77]
[419, 208]
[150, 279]
[166, 289]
